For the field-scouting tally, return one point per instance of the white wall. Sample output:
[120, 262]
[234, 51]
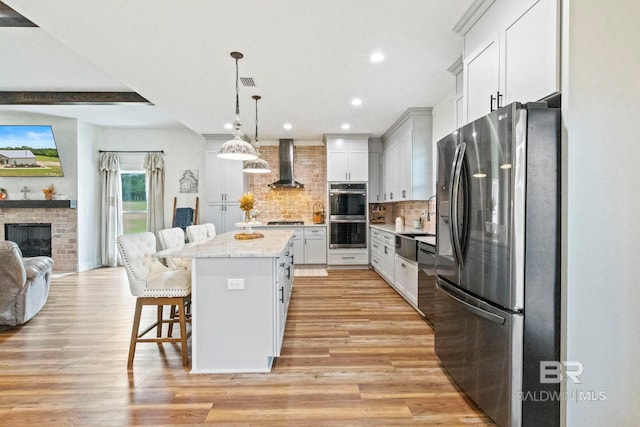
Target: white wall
[89, 197]
[183, 149]
[65, 134]
[78, 144]
[601, 110]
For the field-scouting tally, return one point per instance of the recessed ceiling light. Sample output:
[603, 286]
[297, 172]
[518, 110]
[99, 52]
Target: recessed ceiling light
[228, 126]
[287, 126]
[356, 101]
[376, 57]
[345, 126]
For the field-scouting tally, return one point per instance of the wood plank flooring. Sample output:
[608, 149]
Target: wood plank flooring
[354, 354]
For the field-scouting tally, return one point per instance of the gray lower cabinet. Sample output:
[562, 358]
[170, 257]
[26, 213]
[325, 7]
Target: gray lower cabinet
[315, 245]
[406, 279]
[284, 286]
[298, 245]
[383, 253]
[400, 273]
[309, 243]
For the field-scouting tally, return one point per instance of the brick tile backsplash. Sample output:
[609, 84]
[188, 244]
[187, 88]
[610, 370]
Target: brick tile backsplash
[310, 169]
[412, 210]
[291, 203]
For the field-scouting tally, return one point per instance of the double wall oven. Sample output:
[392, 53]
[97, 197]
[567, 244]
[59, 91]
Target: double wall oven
[347, 215]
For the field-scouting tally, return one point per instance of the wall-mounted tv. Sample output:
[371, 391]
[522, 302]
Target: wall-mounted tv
[28, 151]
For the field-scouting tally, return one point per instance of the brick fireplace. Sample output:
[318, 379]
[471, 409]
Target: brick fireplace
[64, 226]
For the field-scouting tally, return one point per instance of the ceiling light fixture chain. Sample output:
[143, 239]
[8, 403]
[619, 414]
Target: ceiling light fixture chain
[258, 165]
[256, 97]
[237, 148]
[237, 56]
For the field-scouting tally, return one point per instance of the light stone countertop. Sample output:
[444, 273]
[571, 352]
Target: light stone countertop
[227, 246]
[407, 229]
[276, 226]
[422, 235]
[429, 240]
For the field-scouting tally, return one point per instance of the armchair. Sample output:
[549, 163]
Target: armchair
[24, 284]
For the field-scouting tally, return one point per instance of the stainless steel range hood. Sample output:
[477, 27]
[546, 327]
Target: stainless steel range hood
[286, 166]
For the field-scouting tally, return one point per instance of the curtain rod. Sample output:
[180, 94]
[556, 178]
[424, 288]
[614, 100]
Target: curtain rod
[131, 151]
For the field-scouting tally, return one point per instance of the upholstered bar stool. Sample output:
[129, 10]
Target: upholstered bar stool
[152, 283]
[197, 233]
[173, 238]
[211, 230]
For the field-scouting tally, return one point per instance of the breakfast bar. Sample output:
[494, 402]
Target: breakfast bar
[240, 295]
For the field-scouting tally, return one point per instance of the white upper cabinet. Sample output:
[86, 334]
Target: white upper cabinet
[407, 157]
[347, 157]
[532, 54]
[512, 53]
[224, 181]
[374, 177]
[482, 80]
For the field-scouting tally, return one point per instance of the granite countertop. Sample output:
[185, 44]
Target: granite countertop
[407, 229]
[227, 246]
[306, 224]
[422, 235]
[429, 240]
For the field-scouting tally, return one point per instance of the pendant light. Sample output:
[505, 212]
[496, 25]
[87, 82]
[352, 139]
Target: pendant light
[258, 165]
[237, 148]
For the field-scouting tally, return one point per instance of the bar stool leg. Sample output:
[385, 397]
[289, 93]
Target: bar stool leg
[182, 315]
[134, 332]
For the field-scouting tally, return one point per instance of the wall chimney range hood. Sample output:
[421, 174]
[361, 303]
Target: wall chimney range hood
[285, 153]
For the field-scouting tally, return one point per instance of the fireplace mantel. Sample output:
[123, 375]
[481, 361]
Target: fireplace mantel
[22, 204]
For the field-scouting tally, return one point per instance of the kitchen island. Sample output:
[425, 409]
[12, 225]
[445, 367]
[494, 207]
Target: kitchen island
[239, 299]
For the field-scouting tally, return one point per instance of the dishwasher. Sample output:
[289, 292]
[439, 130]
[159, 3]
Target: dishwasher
[426, 279]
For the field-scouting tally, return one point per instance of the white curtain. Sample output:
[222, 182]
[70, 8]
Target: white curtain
[154, 171]
[111, 216]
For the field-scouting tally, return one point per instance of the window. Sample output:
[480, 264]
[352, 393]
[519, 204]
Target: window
[134, 202]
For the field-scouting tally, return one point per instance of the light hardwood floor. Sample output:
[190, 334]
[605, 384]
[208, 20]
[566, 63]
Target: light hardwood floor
[354, 353]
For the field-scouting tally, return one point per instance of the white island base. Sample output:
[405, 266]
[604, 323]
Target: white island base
[234, 330]
[240, 295]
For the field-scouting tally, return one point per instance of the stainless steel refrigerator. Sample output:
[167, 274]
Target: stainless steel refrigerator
[498, 261]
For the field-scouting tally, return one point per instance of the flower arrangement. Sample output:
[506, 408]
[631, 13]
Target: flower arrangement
[246, 201]
[3, 194]
[246, 204]
[49, 192]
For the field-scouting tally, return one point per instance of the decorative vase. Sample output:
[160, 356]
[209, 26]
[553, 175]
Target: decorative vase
[247, 216]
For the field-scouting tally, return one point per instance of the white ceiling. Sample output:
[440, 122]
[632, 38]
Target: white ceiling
[307, 58]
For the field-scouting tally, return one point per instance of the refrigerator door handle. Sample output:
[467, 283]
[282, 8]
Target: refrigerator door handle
[454, 227]
[451, 222]
[469, 307]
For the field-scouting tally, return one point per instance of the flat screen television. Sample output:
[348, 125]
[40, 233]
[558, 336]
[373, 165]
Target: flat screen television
[28, 150]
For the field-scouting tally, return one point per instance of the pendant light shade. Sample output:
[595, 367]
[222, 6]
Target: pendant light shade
[237, 148]
[257, 165]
